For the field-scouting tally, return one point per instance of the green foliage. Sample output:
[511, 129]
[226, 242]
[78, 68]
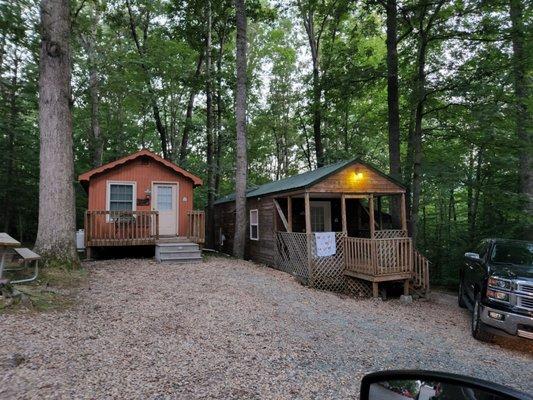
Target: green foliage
[470, 176]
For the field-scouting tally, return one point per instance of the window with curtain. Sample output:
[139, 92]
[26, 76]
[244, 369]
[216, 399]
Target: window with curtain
[121, 197]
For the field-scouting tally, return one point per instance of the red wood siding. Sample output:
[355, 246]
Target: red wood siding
[144, 171]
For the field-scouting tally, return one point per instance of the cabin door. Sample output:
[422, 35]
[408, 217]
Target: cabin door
[320, 216]
[165, 201]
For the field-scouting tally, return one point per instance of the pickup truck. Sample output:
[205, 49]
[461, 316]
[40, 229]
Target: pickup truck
[496, 285]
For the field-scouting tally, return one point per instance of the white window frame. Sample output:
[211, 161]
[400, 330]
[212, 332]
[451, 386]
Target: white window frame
[256, 224]
[108, 195]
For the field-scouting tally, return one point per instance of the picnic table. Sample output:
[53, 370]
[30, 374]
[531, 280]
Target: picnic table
[6, 242]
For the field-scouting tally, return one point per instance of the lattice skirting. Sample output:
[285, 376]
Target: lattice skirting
[324, 273]
[358, 287]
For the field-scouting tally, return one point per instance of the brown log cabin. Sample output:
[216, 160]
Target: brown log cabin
[348, 198]
[139, 200]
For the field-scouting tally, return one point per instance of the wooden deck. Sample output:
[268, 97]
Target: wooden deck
[373, 260]
[121, 228]
[134, 228]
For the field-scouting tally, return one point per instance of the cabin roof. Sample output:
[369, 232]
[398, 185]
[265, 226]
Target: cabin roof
[303, 181]
[86, 176]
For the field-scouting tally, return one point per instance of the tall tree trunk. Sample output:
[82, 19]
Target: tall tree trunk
[219, 132]
[473, 192]
[314, 45]
[57, 218]
[96, 145]
[523, 121]
[417, 134]
[8, 196]
[241, 167]
[393, 105]
[188, 114]
[210, 217]
[317, 114]
[141, 49]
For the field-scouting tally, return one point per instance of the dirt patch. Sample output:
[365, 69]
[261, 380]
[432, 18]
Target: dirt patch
[232, 329]
[55, 289]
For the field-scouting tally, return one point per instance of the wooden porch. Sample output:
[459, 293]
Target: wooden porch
[386, 254]
[134, 228]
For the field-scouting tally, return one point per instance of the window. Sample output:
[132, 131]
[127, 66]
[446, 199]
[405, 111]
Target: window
[320, 216]
[517, 253]
[482, 248]
[254, 225]
[121, 196]
[164, 198]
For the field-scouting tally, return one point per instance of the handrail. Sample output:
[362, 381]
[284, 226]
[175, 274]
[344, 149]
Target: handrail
[196, 226]
[378, 257]
[421, 271]
[121, 227]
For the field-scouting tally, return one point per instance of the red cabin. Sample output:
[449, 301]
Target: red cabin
[138, 199]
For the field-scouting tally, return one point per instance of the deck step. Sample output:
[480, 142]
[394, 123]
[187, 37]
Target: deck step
[181, 252]
[182, 261]
[178, 246]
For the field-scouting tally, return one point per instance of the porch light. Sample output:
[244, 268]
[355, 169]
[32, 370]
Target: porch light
[148, 192]
[357, 177]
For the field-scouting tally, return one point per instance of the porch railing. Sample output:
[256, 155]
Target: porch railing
[196, 226]
[121, 228]
[390, 233]
[421, 271]
[378, 257]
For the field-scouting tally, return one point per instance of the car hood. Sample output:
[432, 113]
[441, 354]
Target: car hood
[510, 271]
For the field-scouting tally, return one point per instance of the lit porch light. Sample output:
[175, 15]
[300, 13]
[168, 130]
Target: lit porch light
[357, 177]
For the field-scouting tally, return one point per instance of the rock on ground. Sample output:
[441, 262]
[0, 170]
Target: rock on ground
[232, 329]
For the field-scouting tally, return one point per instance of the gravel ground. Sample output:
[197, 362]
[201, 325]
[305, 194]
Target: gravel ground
[232, 329]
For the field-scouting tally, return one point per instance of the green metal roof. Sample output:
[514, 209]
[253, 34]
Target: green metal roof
[300, 181]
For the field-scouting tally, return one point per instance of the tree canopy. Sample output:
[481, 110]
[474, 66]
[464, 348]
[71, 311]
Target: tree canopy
[144, 74]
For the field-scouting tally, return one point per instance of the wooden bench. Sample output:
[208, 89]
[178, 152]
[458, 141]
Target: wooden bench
[24, 256]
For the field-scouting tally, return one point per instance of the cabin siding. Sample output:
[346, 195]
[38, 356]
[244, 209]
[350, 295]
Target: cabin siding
[344, 181]
[262, 250]
[352, 179]
[143, 171]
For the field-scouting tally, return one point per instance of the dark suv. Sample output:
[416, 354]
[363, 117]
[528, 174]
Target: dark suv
[496, 284]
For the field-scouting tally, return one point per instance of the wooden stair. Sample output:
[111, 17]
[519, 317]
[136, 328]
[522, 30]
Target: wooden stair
[177, 250]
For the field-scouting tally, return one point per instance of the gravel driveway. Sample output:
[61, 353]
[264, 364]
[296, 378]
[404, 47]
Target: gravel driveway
[231, 329]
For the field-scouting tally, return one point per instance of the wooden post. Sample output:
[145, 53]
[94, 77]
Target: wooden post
[275, 219]
[307, 213]
[86, 229]
[282, 217]
[403, 213]
[375, 290]
[406, 287]
[289, 214]
[371, 215]
[309, 237]
[343, 213]
[380, 218]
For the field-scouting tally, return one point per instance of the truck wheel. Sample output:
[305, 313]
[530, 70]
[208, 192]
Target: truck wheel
[478, 330]
[460, 296]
